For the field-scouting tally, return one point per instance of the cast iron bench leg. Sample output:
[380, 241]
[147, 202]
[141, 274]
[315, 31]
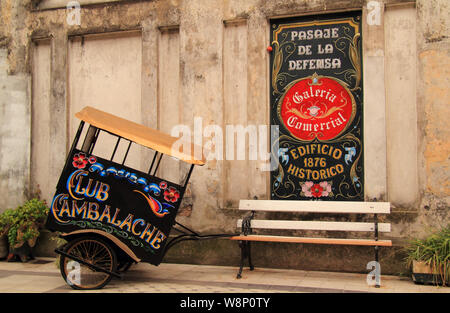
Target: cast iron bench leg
[243, 252]
[377, 283]
[249, 255]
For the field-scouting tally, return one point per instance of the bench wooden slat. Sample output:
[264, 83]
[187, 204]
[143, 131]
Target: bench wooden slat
[317, 225]
[315, 206]
[331, 241]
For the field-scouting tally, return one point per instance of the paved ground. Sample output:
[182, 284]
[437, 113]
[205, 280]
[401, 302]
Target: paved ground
[42, 276]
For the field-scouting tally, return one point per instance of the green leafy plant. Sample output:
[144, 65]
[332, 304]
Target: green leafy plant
[23, 223]
[60, 242]
[3, 224]
[434, 251]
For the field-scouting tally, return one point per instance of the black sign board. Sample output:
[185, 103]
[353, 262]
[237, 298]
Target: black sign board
[316, 99]
[134, 207]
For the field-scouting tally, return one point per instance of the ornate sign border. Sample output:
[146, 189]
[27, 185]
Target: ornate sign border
[343, 177]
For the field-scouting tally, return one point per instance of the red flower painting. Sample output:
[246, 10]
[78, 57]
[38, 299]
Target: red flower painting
[163, 185]
[171, 194]
[322, 189]
[80, 160]
[316, 190]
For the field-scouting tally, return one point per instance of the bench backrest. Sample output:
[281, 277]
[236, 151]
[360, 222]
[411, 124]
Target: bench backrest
[315, 206]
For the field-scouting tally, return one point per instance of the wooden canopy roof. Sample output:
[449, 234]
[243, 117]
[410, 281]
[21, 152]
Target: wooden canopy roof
[140, 134]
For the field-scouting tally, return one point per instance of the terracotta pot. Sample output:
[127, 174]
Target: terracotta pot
[24, 252]
[423, 274]
[3, 246]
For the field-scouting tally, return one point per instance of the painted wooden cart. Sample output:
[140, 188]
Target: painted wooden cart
[110, 214]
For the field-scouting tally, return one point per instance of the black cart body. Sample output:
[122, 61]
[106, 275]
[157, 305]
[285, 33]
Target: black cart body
[133, 209]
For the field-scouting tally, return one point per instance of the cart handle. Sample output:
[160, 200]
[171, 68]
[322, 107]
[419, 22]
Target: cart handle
[192, 235]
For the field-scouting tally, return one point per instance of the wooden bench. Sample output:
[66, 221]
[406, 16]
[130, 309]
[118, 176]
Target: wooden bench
[248, 223]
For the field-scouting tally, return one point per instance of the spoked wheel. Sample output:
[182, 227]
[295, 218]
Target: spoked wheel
[91, 251]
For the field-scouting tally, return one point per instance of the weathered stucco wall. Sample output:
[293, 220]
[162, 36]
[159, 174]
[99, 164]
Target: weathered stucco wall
[14, 134]
[208, 59]
[433, 110]
[43, 184]
[15, 106]
[401, 110]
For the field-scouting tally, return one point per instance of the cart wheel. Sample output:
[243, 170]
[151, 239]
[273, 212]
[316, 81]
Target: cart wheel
[92, 251]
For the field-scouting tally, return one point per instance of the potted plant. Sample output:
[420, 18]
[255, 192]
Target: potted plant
[429, 258]
[3, 237]
[22, 226]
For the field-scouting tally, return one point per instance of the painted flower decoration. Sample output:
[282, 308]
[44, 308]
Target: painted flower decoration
[314, 110]
[312, 190]
[306, 188]
[316, 191]
[163, 185]
[326, 188]
[80, 160]
[171, 194]
[92, 159]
